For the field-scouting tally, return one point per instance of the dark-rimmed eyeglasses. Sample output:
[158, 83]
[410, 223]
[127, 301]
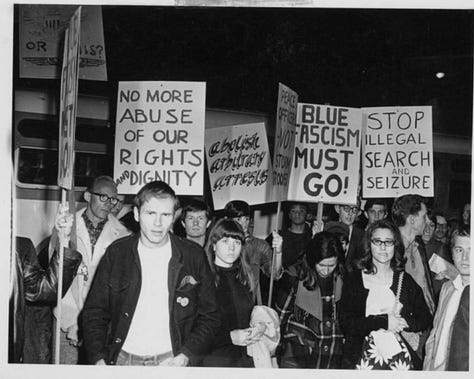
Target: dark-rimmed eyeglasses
[104, 198]
[379, 243]
[349, 209]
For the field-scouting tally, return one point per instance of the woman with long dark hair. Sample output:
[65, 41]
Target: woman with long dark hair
[312, 337]
[235, 286]
[368, 302]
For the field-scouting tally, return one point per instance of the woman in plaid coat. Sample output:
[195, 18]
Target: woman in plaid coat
[312, 337]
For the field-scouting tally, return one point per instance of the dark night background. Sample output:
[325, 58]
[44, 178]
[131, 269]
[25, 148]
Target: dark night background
[348, 57]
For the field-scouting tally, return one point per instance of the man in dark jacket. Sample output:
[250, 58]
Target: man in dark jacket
[152, 301]
[31, 283]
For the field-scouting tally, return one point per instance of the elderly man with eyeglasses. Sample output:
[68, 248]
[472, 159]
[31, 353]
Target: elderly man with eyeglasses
[347, 215]
[96, 229]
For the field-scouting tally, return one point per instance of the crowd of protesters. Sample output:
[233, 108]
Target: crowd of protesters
[157, 282]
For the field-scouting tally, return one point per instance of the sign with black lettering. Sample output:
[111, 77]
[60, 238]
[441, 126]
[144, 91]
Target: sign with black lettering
[398, 152]
[327, 154]
[160, 136]
[285, 132]
[41, 29]
[238, 163]
[68, 102]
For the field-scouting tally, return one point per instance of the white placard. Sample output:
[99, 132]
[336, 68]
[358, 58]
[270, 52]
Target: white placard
[160, 136]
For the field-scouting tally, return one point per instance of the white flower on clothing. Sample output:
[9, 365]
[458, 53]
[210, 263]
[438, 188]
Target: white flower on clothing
[376, 354]
[364, 365]
[400, 365]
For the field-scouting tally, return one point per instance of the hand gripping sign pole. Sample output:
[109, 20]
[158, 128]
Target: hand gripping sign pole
[67, 129]
[272, 273]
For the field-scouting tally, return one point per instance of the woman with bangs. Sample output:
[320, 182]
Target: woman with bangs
[235, 287]
[368, 302]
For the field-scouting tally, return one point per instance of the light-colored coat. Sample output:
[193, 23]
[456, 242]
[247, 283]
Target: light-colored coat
[74, 299]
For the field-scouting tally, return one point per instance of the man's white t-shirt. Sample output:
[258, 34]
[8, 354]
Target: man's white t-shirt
[149, 332]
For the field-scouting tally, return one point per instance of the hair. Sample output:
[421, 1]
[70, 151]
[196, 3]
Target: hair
[397, 262]
[194, 205]
[237, 208]
[156, 189]
[226, 227]
[102, 178]
[432, 217]
[375, 201]
[460, 231]
[323, 245]
[405, 206]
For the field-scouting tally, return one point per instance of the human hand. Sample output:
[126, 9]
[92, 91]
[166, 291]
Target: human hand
[277, 241]
[257, 331]
[396, 323]
[100, 362]
[72, 336]
[241, 337]
[63, 221]
[317, 227]
[180, 360]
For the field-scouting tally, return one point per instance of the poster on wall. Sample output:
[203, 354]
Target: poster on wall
[238, 164]
[41, 32]
[327, 154]
[397, 152]
[284, 142]
[68, 102]
[160, 136]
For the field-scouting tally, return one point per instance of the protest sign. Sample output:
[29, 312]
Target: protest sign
[160, 136]
[41, 29]
[398, 152]
[284, 142]
[327, 154]
[68, 102]
[238, 163]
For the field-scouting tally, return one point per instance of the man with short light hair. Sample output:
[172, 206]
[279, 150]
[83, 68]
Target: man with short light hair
[153, 300]
[196, 217]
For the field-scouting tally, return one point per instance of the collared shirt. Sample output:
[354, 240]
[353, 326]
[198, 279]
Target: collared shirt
[93, 231]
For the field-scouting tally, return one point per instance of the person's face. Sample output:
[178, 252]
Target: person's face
[96, 209]
[375, 213]
[244, 222]
[441, 227]
[381, 252]
[118, 207]
[156, 217]
[195, 223]
[347, 213]
[297, 214]
[466, 213]
[227, 251]
[429, 230]
[326, 267]
[419, 220]
[461, 252]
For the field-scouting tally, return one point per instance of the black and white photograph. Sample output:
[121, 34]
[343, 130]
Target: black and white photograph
[214, 187]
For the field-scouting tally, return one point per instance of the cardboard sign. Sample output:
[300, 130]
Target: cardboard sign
[285, 133]
[398, 152]
[68, 102]
[160, 136]
[238, 163]
[41, 30]
[327, 154]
